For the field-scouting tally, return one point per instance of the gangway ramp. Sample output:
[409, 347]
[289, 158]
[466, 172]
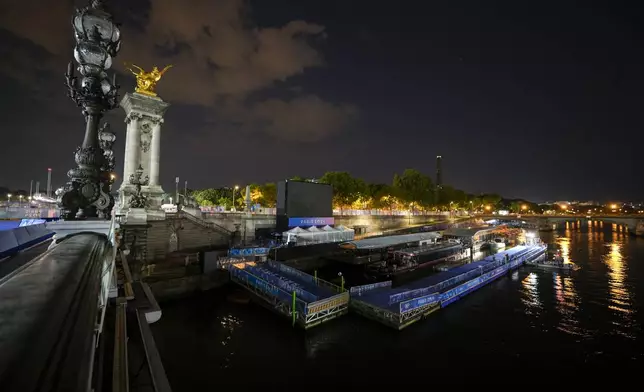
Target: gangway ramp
[307, 300]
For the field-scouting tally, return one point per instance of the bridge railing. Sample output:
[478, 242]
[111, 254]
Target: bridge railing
[51, 314]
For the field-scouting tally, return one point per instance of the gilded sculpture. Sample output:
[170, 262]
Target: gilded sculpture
[146, 81]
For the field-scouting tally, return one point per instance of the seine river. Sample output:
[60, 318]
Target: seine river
[530, 327]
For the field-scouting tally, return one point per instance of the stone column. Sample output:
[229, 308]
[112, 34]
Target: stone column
[155, 153]
[132, 147]
[143, 147]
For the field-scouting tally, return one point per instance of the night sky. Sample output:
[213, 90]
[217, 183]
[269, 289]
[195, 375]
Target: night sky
[533, 99]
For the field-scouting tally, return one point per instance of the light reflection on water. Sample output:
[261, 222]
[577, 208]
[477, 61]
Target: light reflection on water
[530, 295]
[601, 249]
[229, 323]
[567, 305]
[619, 301]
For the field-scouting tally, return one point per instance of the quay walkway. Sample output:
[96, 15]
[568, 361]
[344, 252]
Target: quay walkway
[307, 300]
[402, 306]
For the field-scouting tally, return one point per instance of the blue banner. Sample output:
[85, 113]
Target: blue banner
[293, 222]
[456, 291]
[410, 294]
[419, 302]
[369, 287]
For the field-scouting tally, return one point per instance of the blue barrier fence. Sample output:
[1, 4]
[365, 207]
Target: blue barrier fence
[490, 272]
[269, 288]
[248, 252]
[22, 237]
[368, 287]
[283, 283]
[459, 290]
[412, 304]
[484, 267]
[286, 270]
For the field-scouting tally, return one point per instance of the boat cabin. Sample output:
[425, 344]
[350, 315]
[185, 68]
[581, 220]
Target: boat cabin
[374, 249]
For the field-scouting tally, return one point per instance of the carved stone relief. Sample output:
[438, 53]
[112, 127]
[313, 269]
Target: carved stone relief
[146, 136]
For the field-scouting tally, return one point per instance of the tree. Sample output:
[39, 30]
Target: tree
[264, 195]
[414, 188]
[207, 197]
[449, 194]
[346, 189]
[269, 193]
[515, 207]
[491, 200]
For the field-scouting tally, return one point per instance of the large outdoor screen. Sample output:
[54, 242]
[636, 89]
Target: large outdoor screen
[305, 199]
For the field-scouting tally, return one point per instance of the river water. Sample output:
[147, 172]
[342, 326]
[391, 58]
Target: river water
[543, 325]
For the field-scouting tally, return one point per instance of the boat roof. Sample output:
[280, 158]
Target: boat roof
[416, 250]
[383, 242]
[472, 231]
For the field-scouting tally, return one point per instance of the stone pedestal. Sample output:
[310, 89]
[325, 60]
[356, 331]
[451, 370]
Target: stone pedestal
[144, 116]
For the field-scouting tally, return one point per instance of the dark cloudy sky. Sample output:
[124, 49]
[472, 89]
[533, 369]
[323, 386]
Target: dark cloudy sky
[533, 99]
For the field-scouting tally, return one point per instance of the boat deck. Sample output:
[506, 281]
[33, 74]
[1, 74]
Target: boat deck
[399, 307]
[306, 300]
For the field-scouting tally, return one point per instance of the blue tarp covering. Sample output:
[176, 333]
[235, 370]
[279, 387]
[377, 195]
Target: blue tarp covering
[426, 287]
[306, 281]
[18, 238]
[8, 224]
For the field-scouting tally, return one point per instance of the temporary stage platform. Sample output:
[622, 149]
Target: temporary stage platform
[305, 299]
[399, 307]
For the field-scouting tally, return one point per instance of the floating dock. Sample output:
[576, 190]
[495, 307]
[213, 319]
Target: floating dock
[305, 299]
[402, 306]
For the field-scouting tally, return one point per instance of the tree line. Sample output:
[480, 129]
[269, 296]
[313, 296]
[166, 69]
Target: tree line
[409, 190]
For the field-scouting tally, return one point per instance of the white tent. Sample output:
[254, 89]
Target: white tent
[314, 235]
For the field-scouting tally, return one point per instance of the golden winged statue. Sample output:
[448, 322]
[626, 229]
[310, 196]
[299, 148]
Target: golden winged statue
[146, 81]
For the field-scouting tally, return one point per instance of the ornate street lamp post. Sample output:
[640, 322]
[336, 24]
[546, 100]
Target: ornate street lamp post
[87, 193]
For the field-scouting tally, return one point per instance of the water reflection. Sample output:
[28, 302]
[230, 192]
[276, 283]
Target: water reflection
[229, 324]
[530, 295]
[619, 296]
[567, 305]
[563, 243]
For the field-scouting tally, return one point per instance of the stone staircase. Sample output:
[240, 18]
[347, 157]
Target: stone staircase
[204, 223]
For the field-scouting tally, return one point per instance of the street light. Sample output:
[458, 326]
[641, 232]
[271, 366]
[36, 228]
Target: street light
[9, 197]
[20, 200]
[234, 189]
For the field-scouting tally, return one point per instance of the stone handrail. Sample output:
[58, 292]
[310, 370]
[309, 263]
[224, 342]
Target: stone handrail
[204, 223]
[51, 314]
